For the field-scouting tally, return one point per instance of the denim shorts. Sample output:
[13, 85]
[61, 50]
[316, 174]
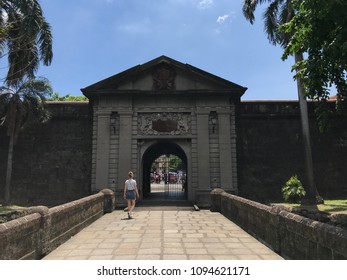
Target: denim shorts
[130, 195]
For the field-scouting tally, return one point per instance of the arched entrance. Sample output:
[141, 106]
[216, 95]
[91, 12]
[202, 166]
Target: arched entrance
[164, 172]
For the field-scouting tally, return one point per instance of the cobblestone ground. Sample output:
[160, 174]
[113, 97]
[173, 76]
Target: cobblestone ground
[163, 235]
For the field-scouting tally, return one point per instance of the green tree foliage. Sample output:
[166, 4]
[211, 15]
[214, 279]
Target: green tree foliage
[176, 163]
[18, 106]
[293, 190]
[25, 39]
[68, 97]
[319, 29]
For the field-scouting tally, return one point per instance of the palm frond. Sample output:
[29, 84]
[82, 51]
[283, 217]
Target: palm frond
[249, 7]
[276, 13]
[25, 103]
[28, 38]
[286, 13]
[248, 10]
[271, 22]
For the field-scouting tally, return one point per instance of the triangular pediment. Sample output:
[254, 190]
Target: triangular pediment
[162, 74]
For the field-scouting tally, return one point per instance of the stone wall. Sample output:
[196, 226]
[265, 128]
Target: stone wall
[37, 234]
[270, 150]
[51, 161]
[290, 235]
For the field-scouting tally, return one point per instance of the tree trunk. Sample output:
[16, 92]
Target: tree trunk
[11, 130]
[9, 170]
[311, 191]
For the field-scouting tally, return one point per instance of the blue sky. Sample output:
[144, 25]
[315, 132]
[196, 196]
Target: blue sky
[95, 39]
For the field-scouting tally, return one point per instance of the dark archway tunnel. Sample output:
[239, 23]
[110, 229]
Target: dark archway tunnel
[151, 154]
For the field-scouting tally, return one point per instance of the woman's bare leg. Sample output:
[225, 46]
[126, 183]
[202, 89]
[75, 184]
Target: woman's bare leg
[129, 208]
[132, 205]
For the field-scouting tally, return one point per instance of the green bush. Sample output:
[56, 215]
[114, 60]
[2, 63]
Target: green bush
[293, 190]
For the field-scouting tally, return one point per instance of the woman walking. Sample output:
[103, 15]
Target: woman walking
[130, 193]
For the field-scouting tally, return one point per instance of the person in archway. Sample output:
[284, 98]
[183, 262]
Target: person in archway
[130, 193]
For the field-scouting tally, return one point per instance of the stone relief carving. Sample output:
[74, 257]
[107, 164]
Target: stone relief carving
[164, 124]
[163, 77]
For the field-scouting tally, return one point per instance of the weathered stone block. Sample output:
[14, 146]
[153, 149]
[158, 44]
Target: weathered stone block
[109, 200]
[290, 235]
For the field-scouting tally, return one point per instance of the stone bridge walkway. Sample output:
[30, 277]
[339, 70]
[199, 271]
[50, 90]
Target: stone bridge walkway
[163, 234]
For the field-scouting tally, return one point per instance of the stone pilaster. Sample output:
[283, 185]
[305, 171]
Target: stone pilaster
[226, 174]
[125, 140]
[203, 140]
[102, 150]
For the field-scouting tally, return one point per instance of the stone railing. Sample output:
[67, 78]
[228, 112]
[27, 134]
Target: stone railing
[290, 235]
[44, 229]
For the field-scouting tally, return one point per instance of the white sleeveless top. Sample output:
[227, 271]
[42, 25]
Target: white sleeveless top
[130, 184]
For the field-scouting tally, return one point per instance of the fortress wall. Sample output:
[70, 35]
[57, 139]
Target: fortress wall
[52, 162]
[270, 150]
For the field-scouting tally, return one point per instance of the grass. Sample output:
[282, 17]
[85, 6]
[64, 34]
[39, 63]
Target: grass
[9, 208]
[332, 206]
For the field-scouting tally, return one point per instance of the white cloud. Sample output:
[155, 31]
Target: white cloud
[136, 27]
[205, 4]
[221, 19]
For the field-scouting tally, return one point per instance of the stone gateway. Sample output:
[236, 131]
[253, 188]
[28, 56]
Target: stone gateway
[165, 107]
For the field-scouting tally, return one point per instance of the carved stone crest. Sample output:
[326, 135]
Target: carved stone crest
[164, 124]
[163, 77]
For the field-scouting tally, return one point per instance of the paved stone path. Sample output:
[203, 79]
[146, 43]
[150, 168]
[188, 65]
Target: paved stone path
[163, 235]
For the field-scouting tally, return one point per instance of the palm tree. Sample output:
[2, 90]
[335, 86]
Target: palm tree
[25, 38]
[18, 106]
[278, 13]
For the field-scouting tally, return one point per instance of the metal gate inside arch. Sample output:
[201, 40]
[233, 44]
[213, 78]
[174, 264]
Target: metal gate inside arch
[165, 172]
